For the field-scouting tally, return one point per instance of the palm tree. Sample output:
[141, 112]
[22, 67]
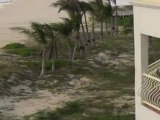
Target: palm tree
[65, 29]
[101, 12]
[36, 33]
[85, 7]
[116, 15]
[93, 13]
[51, 36]
[73, 9]
[44, 37]
[98, 7]
[107, 8]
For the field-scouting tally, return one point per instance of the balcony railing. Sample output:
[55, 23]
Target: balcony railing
[150, 91]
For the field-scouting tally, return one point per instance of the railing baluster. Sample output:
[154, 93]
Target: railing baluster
[150, 89]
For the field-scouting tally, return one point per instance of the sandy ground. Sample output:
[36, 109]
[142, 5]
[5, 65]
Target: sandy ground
[25, 101]
[30, 102]
[21, 13]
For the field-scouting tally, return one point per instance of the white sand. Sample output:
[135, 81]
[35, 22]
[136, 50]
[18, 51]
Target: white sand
[42, 100]
[21, 13]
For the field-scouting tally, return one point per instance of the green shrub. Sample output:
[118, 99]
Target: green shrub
[34, 65]
[45, 115]
[20, 49]
[58, 64]
[69, 109]
[24, 52]
[14, 46]
[112, 117]
[61, 63]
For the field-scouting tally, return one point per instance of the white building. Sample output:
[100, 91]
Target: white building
[124, 7]
[147, 79]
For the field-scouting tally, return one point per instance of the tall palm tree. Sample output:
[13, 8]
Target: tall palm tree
[38, 33]
[86, 7]
[115, 10]
[93, 13]
[73, 9]
[107, 8]
[101, 13]
[65, 29]
[98, 7]
[52, 37]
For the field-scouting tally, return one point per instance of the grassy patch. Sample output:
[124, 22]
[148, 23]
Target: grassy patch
[109, 83]
[59, 63]
[76, 111]
[112, 117]
[117, 44]
[20, 49]
[14, 46]
[69, 109]
[36, 65]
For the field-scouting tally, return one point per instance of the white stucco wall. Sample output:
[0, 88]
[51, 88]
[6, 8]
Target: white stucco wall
[147, 22]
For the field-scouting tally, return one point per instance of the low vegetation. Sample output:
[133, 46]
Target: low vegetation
[76, 110]
[103, 90]
[94, 70]
[20, 49]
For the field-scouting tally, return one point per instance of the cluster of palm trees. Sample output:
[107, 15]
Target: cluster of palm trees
[75, 29]
[97, 11]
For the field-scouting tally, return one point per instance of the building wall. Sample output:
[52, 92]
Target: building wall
[147, 22]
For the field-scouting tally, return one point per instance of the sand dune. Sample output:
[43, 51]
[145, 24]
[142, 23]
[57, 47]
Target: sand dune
[21, 13]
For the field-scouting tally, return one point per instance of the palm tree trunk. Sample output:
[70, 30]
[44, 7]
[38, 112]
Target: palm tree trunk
[106, 25]
[112, 25]
[93, 31]
[116, 21]
[101, 25]
[43, 64]
[85, 17]
[111, 20]
[74, 52]
[53, 65]
[56, 49]
[85, 50]
[101, 18]
[84, 34]
[69, 49]
[79, 43]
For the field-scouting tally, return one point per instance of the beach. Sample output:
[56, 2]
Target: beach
[21, 13]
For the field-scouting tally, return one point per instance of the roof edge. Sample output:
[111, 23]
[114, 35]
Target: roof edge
[143, 4]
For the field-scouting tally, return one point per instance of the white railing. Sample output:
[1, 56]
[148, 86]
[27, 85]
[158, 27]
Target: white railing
[150, 90]
[154, 66]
